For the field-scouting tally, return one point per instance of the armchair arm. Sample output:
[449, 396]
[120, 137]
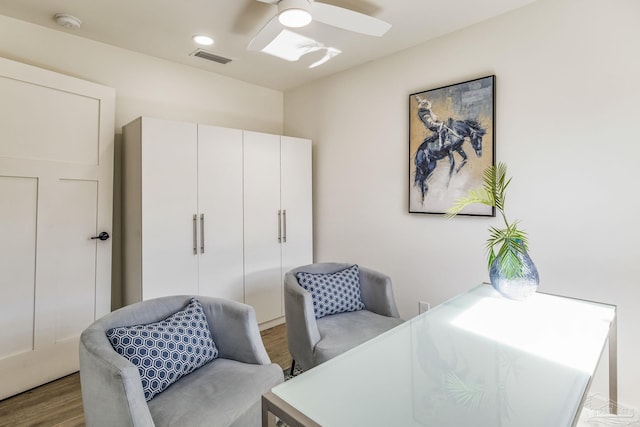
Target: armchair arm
[111, 387]
[377, 293]
[302, 329]
[235, 331]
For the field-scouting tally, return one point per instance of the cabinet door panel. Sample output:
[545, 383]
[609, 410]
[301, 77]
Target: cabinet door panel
[220, 201]
[296, 200]
[263, 281]
[169, 202]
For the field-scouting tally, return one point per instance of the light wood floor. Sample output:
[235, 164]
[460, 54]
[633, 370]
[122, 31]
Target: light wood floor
[59, 403]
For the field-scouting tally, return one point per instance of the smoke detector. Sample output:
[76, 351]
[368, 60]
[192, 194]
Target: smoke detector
[70, 22]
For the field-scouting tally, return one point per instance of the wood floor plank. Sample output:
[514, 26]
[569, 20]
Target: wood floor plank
[59, 403]
[275, 341]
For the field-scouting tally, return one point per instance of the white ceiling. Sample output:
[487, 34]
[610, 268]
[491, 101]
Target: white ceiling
[163, 28]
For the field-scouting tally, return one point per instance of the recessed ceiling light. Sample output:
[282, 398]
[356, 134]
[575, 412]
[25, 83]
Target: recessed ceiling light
[203, 40]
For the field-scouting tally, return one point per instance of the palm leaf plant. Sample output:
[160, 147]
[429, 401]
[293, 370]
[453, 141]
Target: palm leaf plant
[510, 241]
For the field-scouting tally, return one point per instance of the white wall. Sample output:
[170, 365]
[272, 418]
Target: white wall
[568, 90]
[145, 86]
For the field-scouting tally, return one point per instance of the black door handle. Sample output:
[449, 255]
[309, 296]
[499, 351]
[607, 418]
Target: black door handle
[102, 236]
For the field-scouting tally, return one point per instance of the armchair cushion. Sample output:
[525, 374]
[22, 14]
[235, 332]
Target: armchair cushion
[344, 331]
[166, 350]
[216, 395]
[333, 293]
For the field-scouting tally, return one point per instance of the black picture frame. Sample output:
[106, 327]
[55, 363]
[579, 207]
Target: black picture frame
[451, 143]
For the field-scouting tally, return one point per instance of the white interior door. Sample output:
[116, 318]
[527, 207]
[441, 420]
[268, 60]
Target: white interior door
[296, 202]
[56, 175]
[169, 208]
[263, 281]
[220, 263]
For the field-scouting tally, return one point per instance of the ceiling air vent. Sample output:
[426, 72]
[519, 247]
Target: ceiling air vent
[210, 56]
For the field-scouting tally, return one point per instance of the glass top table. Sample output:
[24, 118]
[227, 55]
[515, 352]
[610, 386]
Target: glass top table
[478, 359]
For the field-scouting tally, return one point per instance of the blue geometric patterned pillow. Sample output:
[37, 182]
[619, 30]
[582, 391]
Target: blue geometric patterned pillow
[333, 293]
[167, 350]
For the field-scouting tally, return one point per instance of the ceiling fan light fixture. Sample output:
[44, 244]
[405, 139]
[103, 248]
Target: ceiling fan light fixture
[295, 18]
[294, 13]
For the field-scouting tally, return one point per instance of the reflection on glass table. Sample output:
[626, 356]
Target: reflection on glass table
[476, 360]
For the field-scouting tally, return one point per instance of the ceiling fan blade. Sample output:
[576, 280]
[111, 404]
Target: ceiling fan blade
[349, 19]
[266, 34]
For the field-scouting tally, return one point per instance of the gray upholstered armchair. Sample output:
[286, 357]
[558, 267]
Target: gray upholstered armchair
[313, 341]
[224, 392]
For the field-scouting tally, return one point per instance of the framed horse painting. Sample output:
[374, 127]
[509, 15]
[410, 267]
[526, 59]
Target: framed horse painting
[451, 142]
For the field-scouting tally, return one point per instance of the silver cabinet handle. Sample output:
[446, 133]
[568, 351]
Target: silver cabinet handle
[201, 233]
[284, 226]
[195, 234]
[279, 226]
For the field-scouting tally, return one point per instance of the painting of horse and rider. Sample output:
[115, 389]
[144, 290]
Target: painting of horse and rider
[451, 142]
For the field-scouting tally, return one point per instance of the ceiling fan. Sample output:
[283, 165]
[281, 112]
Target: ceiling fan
[298, 13]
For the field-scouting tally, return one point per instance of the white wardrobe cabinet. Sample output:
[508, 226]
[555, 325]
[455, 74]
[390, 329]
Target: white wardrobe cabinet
[214, 211]
[182, 219]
